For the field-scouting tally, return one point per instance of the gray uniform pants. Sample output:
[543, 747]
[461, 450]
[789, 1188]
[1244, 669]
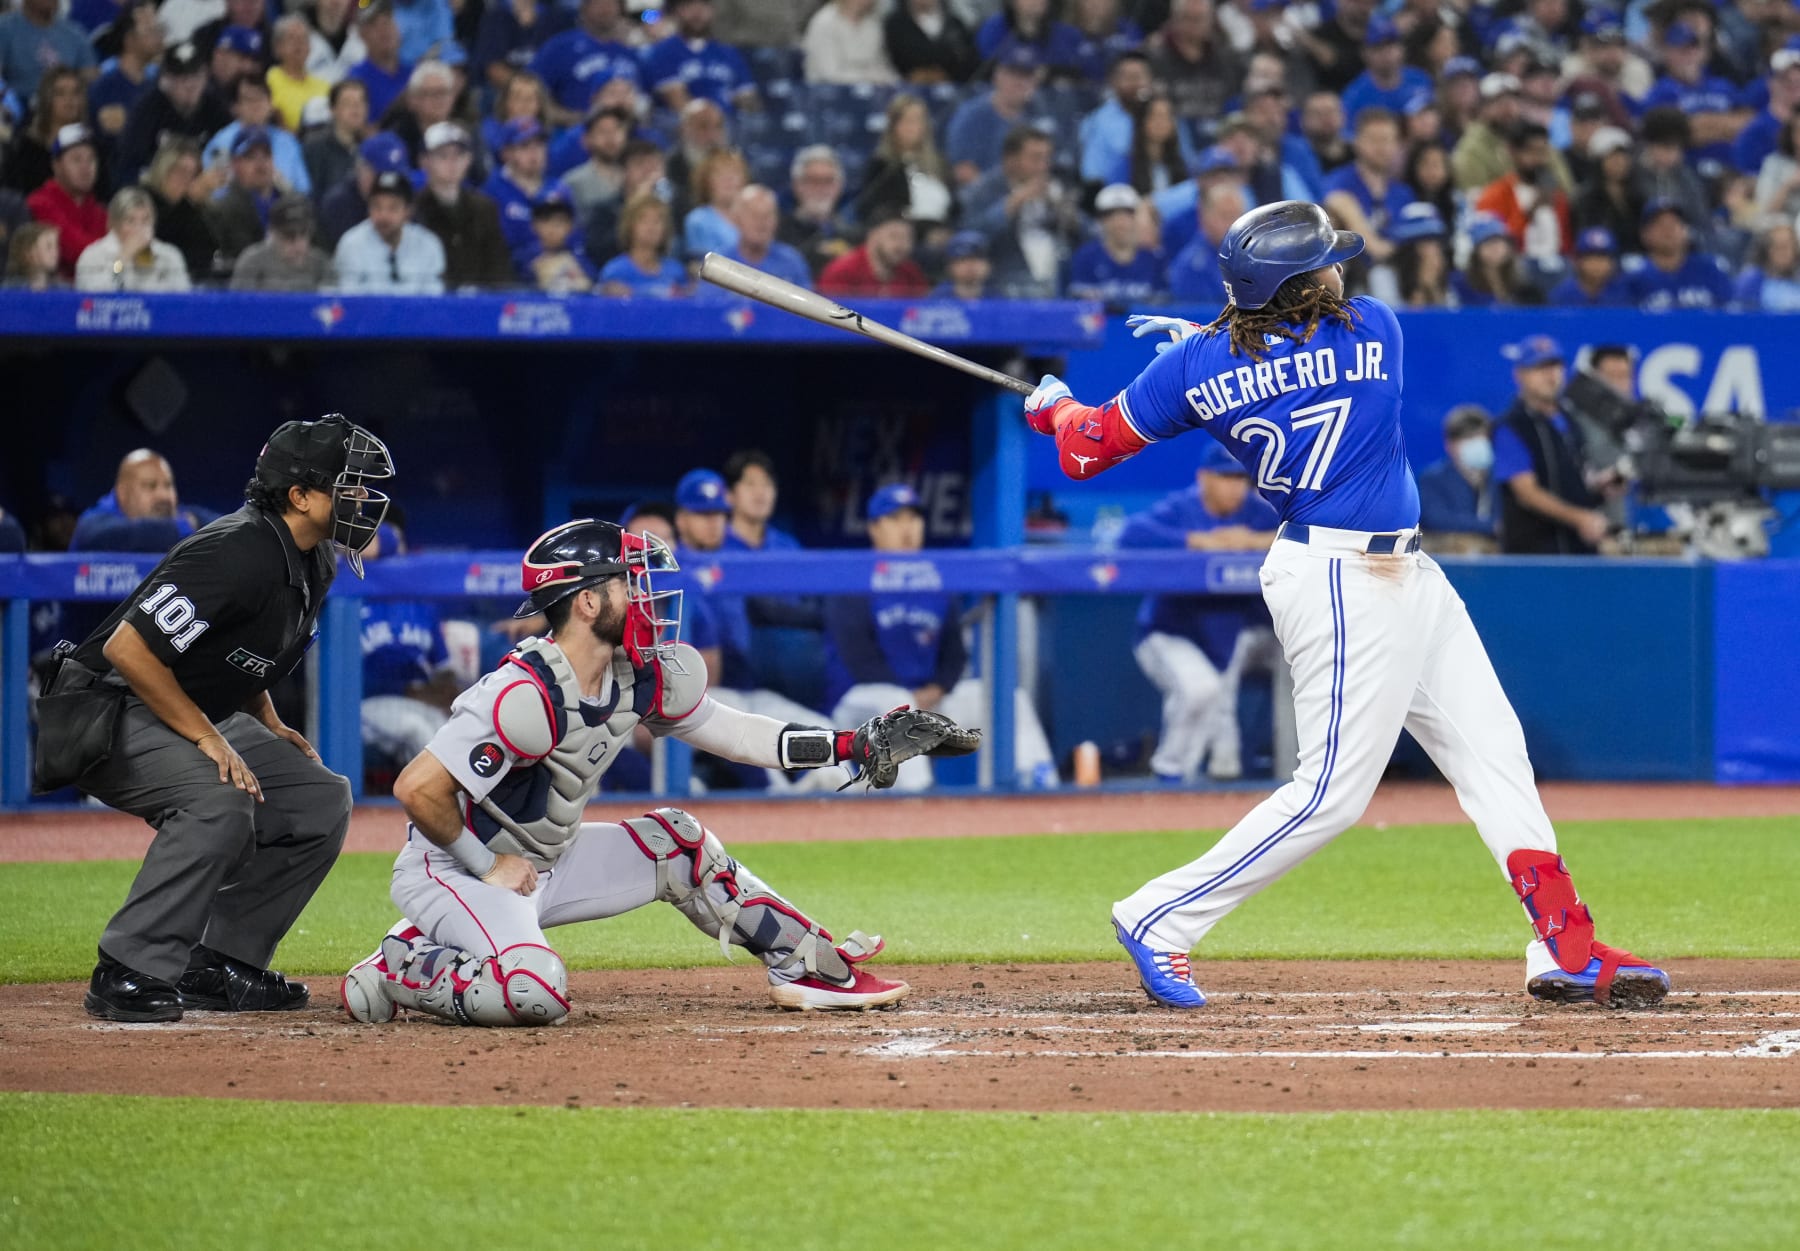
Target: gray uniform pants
[223, 869]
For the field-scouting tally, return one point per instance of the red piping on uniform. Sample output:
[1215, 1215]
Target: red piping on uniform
[459, 899]
[510, 746]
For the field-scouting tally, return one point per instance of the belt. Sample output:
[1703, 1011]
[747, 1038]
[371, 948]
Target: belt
[1393, 544]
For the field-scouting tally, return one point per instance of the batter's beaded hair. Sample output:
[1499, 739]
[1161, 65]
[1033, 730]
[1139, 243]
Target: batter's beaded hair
[1293, 312]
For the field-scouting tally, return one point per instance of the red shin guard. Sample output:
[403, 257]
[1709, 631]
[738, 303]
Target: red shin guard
[1561, 920]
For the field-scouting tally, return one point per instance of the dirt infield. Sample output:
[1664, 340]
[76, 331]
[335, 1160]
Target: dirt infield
[1275, 1037]
[101, 834]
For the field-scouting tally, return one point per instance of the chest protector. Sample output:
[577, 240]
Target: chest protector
[568, 743]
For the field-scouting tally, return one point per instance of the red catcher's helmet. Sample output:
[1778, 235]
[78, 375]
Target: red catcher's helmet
[581, 554]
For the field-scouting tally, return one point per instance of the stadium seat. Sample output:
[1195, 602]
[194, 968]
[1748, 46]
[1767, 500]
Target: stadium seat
[769, 65]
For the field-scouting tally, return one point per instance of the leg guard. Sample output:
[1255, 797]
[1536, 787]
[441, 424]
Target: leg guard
[1565, 926]
[524, 985]
[727, 901]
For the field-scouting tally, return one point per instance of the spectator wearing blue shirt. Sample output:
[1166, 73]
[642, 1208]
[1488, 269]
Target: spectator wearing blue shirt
[1194, 276]
[125, 78]
[643, 266]
[966, 268]
[1457, 512]
[519, 183]
[1105, 37]
[1107, 132]
[904, 645]
[1546, 508]
[1595, 280]
[382, 70]
[34, 39]
[510, 36]
[142, 513]
[755, 216]
[1762, 133]
[1195, 648]
[1028, 24]
[1714, 106]
[1266, 111]
[978, 129]
[691, 64]
[253, 109]
[427, 30]
[1179, 206]
[556, 262]
[1670, 274]
[1114, 267]
[708, 227]
[12, 535]
[408, 684]
[1772, 282]
[578, 62]
[1365, 195]
[1387, 81]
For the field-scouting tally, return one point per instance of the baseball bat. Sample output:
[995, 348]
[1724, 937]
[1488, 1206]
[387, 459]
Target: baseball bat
[753, 283]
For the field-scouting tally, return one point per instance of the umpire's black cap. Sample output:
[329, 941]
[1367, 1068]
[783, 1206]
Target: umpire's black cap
[316, 453]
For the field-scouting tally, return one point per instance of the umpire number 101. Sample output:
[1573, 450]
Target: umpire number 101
[174, 616]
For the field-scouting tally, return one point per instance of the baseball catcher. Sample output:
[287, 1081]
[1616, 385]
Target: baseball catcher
[497, 850]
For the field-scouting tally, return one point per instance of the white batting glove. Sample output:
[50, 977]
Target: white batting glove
[1038, 404]
[1176, 328]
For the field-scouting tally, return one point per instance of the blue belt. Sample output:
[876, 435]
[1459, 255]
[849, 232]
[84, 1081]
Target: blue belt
[1379, 544]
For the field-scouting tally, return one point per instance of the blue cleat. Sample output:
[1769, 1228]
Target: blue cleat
[1165, 976]
[1615, 979]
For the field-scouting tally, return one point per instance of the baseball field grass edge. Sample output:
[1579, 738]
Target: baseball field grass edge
[92, 1171]
[1665, 889]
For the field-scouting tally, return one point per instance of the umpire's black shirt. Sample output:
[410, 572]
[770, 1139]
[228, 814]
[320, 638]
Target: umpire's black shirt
[230, 609]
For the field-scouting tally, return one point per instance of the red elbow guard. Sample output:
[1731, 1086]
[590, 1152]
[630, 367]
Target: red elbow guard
[1092, 440]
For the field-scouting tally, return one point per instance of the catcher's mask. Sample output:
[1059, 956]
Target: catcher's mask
[332, 454]
[582, 554]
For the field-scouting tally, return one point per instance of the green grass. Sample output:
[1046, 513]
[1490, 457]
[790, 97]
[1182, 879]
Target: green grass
[1665, 888]
[99, 1172]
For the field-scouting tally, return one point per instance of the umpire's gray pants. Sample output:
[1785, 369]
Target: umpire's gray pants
[223, 869]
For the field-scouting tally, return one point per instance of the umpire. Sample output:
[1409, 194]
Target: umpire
[248, 821]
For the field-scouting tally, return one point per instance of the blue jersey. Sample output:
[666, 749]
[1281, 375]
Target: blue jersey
[575, 65]
[383, 88]
[1194, 274]
[1709, 95]
[1211, 622]
[1414, 88]
[1569, 294]
[1381, 213]
[1316, 424]
[402, 643]
[709, 70]
[1095, 275]
[1700, 282]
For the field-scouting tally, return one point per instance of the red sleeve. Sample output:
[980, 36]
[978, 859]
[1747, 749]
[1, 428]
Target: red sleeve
[1090, 441]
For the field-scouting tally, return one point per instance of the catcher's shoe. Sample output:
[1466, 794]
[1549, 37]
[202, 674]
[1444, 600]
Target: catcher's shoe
[814, 994]
[1166, 976]
[1613, 979]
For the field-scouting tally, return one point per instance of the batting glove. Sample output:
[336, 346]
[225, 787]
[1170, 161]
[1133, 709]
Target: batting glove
[1145, 324]
[1040, 404]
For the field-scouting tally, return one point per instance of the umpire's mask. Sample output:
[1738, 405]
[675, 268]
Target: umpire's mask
[333, 454]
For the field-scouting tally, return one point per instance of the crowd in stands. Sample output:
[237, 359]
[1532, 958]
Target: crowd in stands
[1492, 151]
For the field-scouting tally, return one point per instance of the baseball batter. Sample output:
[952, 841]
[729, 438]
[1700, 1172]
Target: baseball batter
[1303, 387]
[497, 850]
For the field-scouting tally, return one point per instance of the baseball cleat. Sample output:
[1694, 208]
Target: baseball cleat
[1166, 976]
[814, 994]
[1614, 979]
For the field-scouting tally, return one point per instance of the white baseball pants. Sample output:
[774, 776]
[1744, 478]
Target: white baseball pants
[1376, 643]
[1199, 710]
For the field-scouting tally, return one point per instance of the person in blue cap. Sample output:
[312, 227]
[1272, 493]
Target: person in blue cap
[1457, 510]
[1546, 508]
[978, 128]
[904, 645]
[1715, 107]
[520, 182]
[1195, 648]
[966, 268]
[253, 108]
[1419, 276]
[1594, 279]
[702, 511]
[1114, 266]
[1387, 81]
[347, 204]
[1492, 274]
[1670, 274]
[1303, 386]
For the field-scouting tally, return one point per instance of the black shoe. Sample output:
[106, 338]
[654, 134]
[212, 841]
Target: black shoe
[217, 983]
[117, 993]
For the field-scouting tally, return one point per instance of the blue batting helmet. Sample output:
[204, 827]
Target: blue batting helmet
[1268, 245]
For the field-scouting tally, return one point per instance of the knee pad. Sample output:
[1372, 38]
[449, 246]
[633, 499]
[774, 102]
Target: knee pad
[526, 984]
[1561, 920]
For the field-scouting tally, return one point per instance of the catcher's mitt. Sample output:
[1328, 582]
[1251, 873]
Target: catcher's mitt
[882, 744]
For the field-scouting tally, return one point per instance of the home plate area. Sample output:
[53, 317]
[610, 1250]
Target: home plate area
[1276, 1036]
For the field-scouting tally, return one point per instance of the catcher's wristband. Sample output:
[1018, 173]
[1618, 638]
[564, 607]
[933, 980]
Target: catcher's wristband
[472, 854]
[810, 747]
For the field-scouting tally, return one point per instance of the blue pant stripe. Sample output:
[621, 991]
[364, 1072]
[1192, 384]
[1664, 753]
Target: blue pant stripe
[1334, 586]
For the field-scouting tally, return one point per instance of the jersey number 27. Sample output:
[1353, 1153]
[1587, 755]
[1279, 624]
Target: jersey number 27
[1329, 416]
